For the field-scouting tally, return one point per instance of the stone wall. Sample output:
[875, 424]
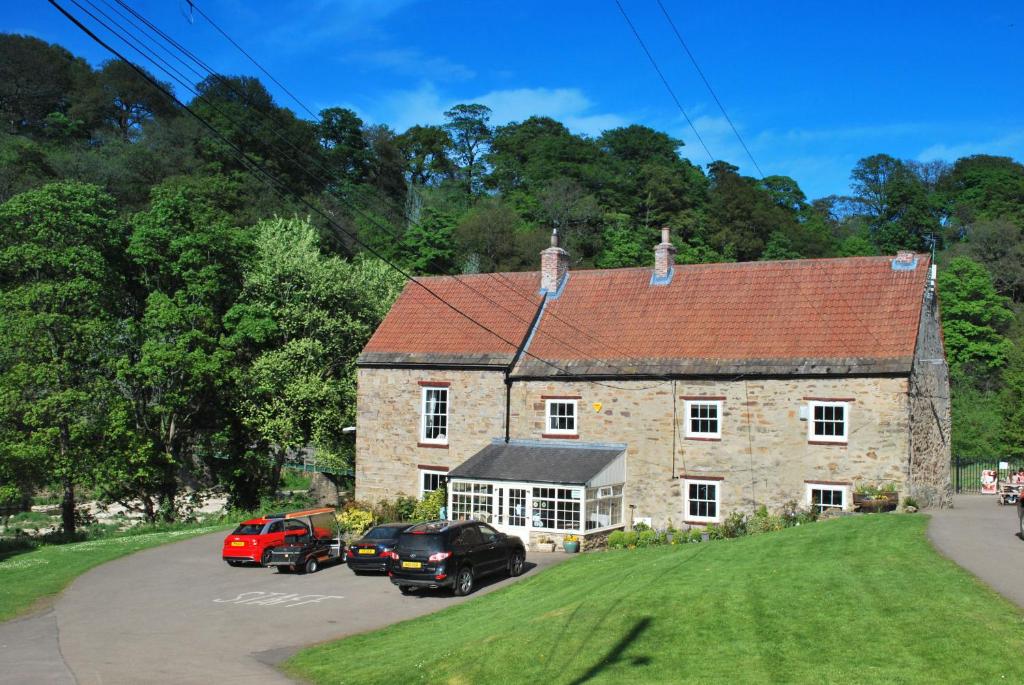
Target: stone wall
[763, 456]
[388, 426]
[930, 452]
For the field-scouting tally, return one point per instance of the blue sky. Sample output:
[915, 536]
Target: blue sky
[812, 86]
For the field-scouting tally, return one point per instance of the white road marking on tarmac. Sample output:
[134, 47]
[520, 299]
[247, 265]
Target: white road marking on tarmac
[283, 599]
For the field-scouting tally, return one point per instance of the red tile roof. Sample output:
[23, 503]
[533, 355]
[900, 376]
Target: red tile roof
[841, 313]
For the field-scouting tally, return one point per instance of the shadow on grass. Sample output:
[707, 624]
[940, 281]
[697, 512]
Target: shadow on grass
[614, 655]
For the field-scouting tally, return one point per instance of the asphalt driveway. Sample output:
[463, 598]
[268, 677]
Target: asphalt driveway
[179, 614]
[983, 537]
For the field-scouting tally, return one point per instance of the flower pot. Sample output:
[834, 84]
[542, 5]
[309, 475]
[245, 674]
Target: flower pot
[572, 547]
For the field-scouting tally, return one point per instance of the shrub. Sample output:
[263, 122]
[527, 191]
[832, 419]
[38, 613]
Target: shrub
[910, 502]
[429, 508]
[647, 538]
[715, 532]
[695, 535]
[764, 524]
[399, 509]
[617, 539]
[640, 526]
[354, 521]
[794, 515]
[735, 525]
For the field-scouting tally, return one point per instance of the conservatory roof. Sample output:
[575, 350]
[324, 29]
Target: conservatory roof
[533, 461]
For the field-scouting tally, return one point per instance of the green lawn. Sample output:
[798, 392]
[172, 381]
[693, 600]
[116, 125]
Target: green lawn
[858, 599]
[29, 576]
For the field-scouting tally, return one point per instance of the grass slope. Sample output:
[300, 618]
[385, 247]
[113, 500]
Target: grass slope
[859, 599]
[30, 576]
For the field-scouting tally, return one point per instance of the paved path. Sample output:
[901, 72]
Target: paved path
[983, 537]
[179, 614]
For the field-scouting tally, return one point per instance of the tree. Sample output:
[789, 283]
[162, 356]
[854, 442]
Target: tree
[37, 79]
[120, 98]
[743, 214]
[896, 201]
[345, 153]
[425, 149]
[467, 127]
[974, 320]
[999, 245]
[301, 320]
[190, 254]
[984, 187]
[59, 286]
[428, 247]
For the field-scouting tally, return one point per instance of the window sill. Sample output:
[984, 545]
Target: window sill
[840, 443]
[434, 445]
[695, 522]
[561, 436]
[702, 439]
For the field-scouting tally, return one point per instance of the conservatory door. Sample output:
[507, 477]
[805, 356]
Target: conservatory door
[514, 513]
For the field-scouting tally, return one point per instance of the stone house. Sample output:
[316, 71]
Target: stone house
[559, 402]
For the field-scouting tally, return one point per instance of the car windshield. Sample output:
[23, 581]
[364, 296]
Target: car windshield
[382, 533]
[413, 543]
[248, 529]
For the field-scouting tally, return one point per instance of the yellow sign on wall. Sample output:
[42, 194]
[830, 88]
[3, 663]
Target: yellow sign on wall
[597, 406]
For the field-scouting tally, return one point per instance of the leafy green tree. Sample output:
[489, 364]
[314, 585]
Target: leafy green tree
[428, 247]
[59, 287]
[121, 99]
[37, 79]
[470, 134]
[896, 202]
[743, 213]
[302, 319]
[493, 237]
[983, 187]
[425, 149]
[345, 153]
[999, 245]
[975, 319]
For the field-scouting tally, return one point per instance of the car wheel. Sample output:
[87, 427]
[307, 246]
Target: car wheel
[515, 564]
[406, 589]
[312, 565]
[464, 582]
[265, 559]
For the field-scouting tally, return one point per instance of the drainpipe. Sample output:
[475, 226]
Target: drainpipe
[515, 360]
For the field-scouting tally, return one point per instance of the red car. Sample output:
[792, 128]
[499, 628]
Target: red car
[252, 541]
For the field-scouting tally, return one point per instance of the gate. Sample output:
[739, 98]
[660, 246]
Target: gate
[966, 475]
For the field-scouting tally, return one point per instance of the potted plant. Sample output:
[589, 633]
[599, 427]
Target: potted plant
[545, 544]
[571, 544]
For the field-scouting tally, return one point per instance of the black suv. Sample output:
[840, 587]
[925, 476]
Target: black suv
[453, 554]
[372, 552]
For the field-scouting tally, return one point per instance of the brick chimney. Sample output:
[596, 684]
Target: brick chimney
[664, 256]
[554, 265]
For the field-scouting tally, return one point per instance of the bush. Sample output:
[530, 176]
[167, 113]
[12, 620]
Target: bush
[399, 509]
[794, 515]
[910, 502]
[765, 523]
[354, 521]
[715, 532]
[647, 538]
[695, 535]
[616, 539]
[429, 508]
[641, 526]
[735, 525]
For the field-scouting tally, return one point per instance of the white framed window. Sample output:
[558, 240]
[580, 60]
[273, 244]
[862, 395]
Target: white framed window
[604, 507]
[471, 501]
[824, 497]
[560, 417]
[556, 508]
[703, 419]
[828, 421]
[703, 500]
[430, 481]
[434, 423]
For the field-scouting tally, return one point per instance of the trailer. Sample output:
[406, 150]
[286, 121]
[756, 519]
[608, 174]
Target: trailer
[306, 549]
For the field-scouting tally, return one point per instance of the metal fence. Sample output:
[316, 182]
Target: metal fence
[966, 475]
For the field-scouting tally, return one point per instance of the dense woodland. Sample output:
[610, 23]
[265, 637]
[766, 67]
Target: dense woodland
[169, 320]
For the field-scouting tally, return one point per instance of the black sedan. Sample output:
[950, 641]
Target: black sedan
[372, 552]
[453, 554]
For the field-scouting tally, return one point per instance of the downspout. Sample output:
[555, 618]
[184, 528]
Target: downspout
[515, 360]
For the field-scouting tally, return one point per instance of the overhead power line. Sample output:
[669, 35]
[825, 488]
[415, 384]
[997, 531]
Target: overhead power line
[711, 90]
[498, 276]
[664, 81]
